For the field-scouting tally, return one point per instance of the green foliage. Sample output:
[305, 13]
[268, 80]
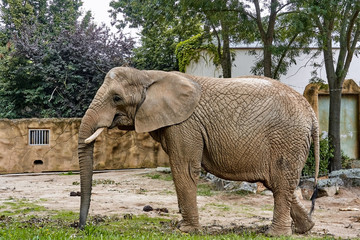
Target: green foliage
[325, 154]
[286, 38]
[190, 50]
[53, 64]
[163, 25]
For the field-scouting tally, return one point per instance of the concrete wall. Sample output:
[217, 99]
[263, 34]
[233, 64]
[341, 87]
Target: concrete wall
[297, 76]
[114, 149]
[318, 97]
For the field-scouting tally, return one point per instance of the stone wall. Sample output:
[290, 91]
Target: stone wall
[114, 149]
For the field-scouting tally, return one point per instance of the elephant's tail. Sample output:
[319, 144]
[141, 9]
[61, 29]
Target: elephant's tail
[315, 138]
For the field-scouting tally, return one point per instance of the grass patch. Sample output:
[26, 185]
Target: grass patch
[241, 193]
[267, 207]
[14, 206]
[205, 189]
[160, 176]
[102, 182]
[223, 207]
[63, 225]
[98, 182]
[115, 227]
[68, 173]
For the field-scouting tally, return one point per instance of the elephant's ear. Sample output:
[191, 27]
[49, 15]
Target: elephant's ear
[169, 100]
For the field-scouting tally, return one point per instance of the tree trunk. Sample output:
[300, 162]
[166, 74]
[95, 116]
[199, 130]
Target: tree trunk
[267, 60]
[226, 56]
[334, 126]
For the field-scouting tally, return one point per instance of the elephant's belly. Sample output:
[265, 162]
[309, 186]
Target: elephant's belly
[236, 167]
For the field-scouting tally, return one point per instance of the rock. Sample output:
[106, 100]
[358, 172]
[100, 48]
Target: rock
[326, 187]
[218, 182]
[328, 191]
[75, 194]
[147, 208]
[355, 164]
[163, 210]
[323, 183]
[232, 186]
[267, 192]
[260, 187]
[246, 187]
[350, 177]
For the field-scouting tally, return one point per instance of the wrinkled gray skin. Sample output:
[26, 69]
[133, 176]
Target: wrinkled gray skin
[247, 128]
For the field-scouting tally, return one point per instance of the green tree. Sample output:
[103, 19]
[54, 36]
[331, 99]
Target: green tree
[336, 21]
[284, 32]
[53, 68]
[223, 21]
[162, 24]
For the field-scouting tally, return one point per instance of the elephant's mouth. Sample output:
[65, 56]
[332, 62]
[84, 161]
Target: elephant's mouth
[122, 122]
[116, 121]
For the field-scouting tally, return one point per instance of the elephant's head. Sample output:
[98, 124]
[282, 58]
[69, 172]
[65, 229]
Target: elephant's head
[131, 99]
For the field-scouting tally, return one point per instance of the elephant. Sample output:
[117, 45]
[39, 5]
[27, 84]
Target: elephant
[251, 128]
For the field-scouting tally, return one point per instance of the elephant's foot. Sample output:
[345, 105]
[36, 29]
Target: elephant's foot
[303, 226]
[302, 221]
[188, 228]
[278, 231]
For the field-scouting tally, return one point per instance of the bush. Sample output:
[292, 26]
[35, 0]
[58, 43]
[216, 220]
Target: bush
[326, 152]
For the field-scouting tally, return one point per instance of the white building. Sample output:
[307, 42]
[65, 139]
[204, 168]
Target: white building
[297, 77]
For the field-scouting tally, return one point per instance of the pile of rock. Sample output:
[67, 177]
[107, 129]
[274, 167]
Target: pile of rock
[328, 186]
[331, 184]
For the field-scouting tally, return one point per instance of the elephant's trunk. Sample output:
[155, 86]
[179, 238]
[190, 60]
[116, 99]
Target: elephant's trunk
[85, 154]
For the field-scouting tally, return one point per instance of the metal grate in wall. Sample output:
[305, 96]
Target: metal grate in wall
[39, 136]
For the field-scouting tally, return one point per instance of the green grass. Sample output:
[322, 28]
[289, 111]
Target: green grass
[98, 182]
[139, 227]
[40, 223]
[223, 207]
[14, 206]
[68, 173]
[160, 176]
[205, 189]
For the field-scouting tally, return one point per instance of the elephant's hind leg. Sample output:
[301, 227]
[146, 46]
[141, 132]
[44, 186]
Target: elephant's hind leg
[302, 221]
[281, 224]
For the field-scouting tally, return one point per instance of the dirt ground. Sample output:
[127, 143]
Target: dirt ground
[128, 191]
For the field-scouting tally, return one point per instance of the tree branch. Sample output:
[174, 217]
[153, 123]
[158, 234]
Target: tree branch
[284, 54]
[258, 20]
[351, 27]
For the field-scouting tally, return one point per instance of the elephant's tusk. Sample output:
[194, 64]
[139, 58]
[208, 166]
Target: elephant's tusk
[94, 136]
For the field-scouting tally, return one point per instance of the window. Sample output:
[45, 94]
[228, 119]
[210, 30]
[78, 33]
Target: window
[39, 136]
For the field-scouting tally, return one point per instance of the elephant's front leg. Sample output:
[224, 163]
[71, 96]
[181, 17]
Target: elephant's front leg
[186, 189]
[185, 153]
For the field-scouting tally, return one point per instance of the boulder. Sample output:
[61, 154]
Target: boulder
[350, 177]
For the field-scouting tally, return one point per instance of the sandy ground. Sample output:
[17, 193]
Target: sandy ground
[128, 191]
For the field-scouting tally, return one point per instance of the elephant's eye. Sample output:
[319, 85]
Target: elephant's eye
[117, 99]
